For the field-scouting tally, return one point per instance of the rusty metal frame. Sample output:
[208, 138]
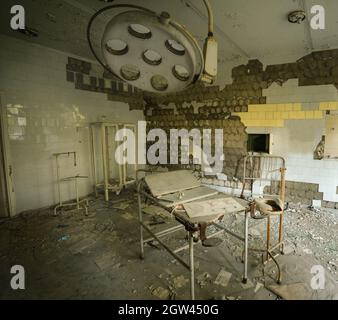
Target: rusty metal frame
[281, 169]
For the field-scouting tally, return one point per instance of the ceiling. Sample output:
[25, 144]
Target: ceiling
[244, 29]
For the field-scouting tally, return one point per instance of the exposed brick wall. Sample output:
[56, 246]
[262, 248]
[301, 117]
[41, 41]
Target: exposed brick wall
[234, 135]
[300, 192]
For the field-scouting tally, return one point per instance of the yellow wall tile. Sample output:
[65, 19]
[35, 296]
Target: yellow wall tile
[261, 116]
[333, 105]
[263, 123]
[254, 107]
[288, 107]
[285, 115]
[324, 106]
[318, 114]
[239, 114]
[292, 115]
[262, 107]
[272, 107]
[280, 107]
[277, 115]
[269, 115]
[309, 114]
[279, 123]
[297, 115]
[296, 106]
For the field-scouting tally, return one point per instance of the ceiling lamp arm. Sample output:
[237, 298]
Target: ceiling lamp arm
[93, 18]
[210, 50]
[210, 18]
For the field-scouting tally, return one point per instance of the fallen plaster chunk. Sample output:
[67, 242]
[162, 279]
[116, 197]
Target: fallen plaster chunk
[128, 216]
[155, 211]
[259, 286]
[316, 204]
[82, 245]
[223, 278]
[255, 233]
[180, 282]
[288, 249]
[203, 279]
[121, 206]
[222, 176]
[161, 293]
[294, 291]
[105, 260]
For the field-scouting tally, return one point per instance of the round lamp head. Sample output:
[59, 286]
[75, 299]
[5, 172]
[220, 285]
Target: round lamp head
[151, 52]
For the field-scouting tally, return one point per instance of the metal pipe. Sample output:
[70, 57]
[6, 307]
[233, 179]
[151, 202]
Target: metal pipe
[191, 266]
[246, 246]
[165, 246]
[165, 232]
[104, 161]
[140, 216]
[210, 18]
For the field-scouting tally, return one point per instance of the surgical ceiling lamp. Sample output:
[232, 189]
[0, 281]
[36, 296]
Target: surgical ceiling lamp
[154, 53]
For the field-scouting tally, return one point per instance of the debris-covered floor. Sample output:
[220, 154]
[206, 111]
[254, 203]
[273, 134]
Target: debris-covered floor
[74, 256]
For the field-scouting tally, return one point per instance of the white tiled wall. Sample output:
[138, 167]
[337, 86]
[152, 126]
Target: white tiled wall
[33, 84]
[298, 139]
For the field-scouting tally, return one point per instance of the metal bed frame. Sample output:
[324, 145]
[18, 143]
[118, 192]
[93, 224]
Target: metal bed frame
[191, 229]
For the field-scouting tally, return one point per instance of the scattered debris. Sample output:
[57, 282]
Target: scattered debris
[247, 285]
[128, 216]
[254, 233]
[105, 260]
[180, 282]
[307, 251]
[121, 206]
[61, 226]
[288, 250]
[155, 211]
[258, 287]
[161, 293]
[223, 278]
[155, 220]
[203, 279]
[106, 225]
[82, 245]
[64, 238]
[294, 291]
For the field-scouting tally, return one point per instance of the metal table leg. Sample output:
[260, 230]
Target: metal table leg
[246, 240]
[140, 221]
[191, 266]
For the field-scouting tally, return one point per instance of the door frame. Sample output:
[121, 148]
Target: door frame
[7, 169]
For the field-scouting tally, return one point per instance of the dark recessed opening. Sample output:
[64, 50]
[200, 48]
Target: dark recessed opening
[259, 143]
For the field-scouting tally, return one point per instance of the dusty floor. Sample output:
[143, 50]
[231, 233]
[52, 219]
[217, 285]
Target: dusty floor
[73, 256]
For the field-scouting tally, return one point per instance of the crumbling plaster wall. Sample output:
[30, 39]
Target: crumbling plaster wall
[297, 140]
[48, 115]
[286, 96]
